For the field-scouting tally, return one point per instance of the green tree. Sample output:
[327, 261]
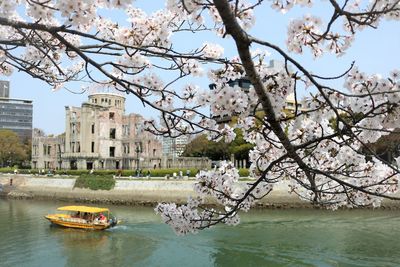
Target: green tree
[239, 147]
[202, 147]
[12, 150]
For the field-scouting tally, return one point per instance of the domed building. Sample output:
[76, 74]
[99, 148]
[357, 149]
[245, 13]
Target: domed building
[98, 135]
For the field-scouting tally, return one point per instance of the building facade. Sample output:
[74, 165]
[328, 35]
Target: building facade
[174, 147]
[15, 114]
[300, 105]
[98, 135]
[47, 150]
[4, 89]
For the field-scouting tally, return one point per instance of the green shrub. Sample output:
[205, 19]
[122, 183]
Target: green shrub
[22, 171]
[95, 182]
[57, 172]
[243, 172]
[6, 170]
[72, 172]
[105, 172]
[124, 173]
[170, 172]
[26, 171]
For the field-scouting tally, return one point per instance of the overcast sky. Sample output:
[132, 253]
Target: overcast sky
[375, 51]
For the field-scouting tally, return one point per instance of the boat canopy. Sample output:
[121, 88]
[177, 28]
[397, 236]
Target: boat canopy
[83, 209]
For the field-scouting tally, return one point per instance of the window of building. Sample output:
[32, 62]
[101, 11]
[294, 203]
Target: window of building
[111, 116]
[92, 147]
[78, 147]
[112, 133]
[93, 128]
[126, 148]
[73, 128]
[112, 151]
[125, 129]
[154, 151]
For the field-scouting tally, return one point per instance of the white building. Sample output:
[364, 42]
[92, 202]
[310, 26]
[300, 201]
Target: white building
[174, 147]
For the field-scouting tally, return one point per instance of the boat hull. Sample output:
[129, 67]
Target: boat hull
[68, 221]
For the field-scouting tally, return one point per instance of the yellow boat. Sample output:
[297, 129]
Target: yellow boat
[83, 217]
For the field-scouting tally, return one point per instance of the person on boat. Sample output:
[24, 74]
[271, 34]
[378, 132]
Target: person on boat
[102, 218]
[85, 216]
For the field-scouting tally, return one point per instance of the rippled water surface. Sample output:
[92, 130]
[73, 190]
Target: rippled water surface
[264, 238]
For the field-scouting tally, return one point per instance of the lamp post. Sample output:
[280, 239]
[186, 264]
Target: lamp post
[9, 159]
[173, 152]
[138, 150]
[59, 157]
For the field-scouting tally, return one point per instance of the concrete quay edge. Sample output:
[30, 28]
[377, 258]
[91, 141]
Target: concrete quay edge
[136, 192]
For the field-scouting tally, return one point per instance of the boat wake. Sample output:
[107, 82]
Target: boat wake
[117, 228]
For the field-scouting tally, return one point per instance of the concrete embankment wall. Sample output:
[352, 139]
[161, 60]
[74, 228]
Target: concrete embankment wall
[49, 183]
[126, 191]
[133, 192]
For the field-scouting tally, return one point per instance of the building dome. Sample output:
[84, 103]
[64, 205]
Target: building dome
[108, 100]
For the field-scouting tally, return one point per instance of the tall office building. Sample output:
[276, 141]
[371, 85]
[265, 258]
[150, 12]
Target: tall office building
[174, 147]
[15, 114]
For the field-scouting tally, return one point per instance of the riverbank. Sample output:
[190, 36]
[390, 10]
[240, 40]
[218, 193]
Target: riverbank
[132, 191]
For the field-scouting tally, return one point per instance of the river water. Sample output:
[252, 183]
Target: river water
[264, 238]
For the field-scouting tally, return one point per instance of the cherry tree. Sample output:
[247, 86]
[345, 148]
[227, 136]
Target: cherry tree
[320, 151]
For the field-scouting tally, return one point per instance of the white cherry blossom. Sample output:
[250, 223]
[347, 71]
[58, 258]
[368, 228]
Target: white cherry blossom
[324, 146]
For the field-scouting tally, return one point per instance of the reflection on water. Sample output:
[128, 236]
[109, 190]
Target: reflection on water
[264, 238]
[72, 238]
[91, 248]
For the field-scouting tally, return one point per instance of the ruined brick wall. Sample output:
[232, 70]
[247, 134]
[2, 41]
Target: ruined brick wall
[99, 135]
